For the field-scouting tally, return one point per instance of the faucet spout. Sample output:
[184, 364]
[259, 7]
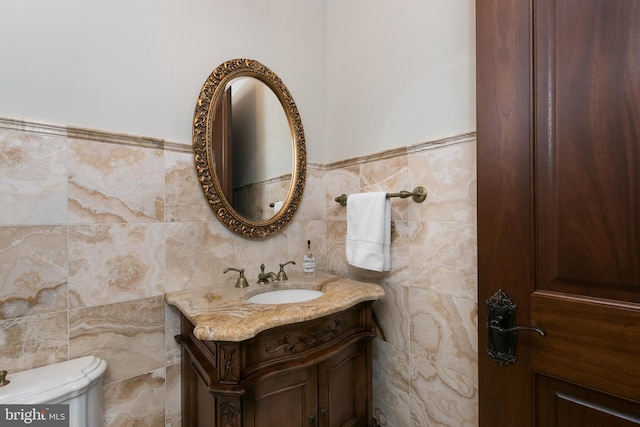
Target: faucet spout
[264, 277]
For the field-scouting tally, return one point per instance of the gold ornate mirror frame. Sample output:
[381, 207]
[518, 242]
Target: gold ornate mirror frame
[210, 94]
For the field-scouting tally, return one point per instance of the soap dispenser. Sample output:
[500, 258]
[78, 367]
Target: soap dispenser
[309, 262]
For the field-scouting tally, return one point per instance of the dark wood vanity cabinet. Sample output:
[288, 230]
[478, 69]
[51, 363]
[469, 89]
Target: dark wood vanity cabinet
[315, 373]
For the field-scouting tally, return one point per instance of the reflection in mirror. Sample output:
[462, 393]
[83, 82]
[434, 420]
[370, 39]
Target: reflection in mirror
[249, 148]
[259, 153]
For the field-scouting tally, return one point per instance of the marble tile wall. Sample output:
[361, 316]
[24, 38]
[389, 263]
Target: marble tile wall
[82, 262]
[425, 370]
[96, 227]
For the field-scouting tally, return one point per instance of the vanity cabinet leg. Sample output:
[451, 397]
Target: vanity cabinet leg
[229, 412]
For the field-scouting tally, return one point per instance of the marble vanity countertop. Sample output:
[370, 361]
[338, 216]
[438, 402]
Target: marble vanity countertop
[225, 315]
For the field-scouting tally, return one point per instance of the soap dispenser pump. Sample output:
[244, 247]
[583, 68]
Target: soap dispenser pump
[309, 261]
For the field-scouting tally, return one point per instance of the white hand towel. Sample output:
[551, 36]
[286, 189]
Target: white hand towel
[368, 243]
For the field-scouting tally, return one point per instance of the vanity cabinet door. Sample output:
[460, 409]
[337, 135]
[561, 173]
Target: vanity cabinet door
[287, 399]
[344, 388]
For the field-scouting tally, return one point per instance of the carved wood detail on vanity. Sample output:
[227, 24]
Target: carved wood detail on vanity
[315, 338]
[229, 412]
[282, 375]
[230, 368]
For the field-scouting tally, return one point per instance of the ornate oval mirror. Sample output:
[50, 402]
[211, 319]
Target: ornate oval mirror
[249, 148]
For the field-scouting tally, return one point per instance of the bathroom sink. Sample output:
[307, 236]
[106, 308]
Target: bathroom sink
[285, 296]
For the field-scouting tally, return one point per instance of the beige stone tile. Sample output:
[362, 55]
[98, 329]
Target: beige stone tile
[297, 235]
[184, 200]
[112, 263]
[444, 330]
[443, 257]
[340, 181]
[390, 175]
[115, 183]
[390, 384]
[296, 244]
[129, 336]
[441, 397]
[400, 261]
[449, 175]
[336, 256]
[197, 254]
[392, 312]
[172, 328]
[33, 270]
[313, 205]
[137, 401]
[173, 407]
[33, 341]
[117, 272]
[33, 173]
[251, 253]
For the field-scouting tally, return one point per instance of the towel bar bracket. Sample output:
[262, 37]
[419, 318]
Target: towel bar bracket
[419, 195]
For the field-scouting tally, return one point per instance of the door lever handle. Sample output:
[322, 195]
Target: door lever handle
[502, 329]
[495, 325]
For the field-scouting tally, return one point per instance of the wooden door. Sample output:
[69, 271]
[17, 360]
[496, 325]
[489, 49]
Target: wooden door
[558, 89]
[222, 147]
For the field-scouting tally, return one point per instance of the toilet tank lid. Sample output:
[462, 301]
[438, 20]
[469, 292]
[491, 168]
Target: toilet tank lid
[46, 383]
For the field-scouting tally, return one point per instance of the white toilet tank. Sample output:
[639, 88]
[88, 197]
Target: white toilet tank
[76, 382]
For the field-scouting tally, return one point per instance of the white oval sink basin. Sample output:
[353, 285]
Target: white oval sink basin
[285, 296]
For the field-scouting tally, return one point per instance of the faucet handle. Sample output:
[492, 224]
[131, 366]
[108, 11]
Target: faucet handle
[242, 281]
[262, 277]
[282, 276]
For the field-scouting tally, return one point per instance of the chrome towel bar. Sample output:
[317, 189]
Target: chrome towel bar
[419, 194]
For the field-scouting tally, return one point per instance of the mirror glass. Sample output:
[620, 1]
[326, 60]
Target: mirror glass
[249, 148]
[261, 150]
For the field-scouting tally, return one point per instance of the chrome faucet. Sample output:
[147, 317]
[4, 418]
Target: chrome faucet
[264, 277]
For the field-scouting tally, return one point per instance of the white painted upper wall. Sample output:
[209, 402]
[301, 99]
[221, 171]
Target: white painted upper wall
[399, 72]
[137, 67]
[367, 75]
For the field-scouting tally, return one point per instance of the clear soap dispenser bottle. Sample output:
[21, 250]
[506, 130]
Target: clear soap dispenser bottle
[309, 261]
